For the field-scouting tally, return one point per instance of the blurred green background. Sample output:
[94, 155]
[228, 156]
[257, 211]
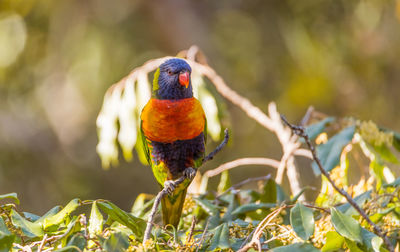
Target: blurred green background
[57, 58]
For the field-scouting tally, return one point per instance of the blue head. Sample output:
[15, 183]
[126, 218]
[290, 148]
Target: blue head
[172, 80]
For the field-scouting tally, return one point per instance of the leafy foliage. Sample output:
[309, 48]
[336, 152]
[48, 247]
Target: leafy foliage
[226, 220]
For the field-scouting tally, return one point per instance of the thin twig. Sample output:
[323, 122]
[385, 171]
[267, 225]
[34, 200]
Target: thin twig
[219, 147]
[241, 162]
[300, 131]
[191, 229]
[42, 243]
[203, 235]
[255, 240]
[303, 153]
[175, 184]
[247, 238]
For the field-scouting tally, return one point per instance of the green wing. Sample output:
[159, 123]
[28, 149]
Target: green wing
[144, 145]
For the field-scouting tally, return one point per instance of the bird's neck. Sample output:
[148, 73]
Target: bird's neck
[173, 93]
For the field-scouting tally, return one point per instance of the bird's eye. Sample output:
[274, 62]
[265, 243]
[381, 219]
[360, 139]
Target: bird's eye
[170, 72]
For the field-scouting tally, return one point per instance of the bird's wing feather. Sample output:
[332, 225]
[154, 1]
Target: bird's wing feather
[146, 149]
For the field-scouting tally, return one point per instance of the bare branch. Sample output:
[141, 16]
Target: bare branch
[303, 153]
[300, 131]
[192, 226]
[240, 162]
[203, 235]
[219, 147]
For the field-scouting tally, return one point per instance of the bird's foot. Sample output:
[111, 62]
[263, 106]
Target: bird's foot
[189, 173]
[169, 186]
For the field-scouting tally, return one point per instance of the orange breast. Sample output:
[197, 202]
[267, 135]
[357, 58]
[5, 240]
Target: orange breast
[169, 120]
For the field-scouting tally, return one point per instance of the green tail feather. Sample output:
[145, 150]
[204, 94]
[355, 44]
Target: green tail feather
[172, 206]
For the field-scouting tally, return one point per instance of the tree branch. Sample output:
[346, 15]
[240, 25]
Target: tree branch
[300, 131]
[240, 162]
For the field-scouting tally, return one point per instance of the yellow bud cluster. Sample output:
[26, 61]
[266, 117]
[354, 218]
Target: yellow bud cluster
[338, 175]
[189, 205]
[322, 227]
[371, 133]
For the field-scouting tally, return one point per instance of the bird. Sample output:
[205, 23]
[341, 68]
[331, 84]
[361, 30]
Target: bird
[173, 130]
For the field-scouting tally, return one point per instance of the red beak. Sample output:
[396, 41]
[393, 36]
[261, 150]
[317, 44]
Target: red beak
[184, 79]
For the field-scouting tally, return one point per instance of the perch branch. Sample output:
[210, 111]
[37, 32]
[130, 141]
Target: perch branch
[164, 191]
[300, 131]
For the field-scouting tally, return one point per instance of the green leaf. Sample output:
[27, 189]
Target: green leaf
[207, 206]
[30, 216]
[224, 183]
[371, 240]
[329, 153]
[49, 214]
[73, 226]
[346, 226]
[386, 154]
[317, 128]
[116, 242]
[269, 192]
[220, 237]
[396, 140]
[38, 219]
[298, 247]
[58, 218]
[77, 240]
[281, 195]
[360, 200]
[142, 204]
[376, 168]
[30, 229]
[6, 237]
[297, 196]
[137, 225]
[233, 204]
[334, 242]
[352, 246]
[95, 221]
[302, 221]
[252, 207]
[13, 196]
[395, 183]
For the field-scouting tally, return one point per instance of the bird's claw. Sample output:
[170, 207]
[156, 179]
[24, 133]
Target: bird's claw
[189, 173]
[169, 186]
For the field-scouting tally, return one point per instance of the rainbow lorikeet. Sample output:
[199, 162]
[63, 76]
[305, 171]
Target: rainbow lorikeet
[173, 127]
